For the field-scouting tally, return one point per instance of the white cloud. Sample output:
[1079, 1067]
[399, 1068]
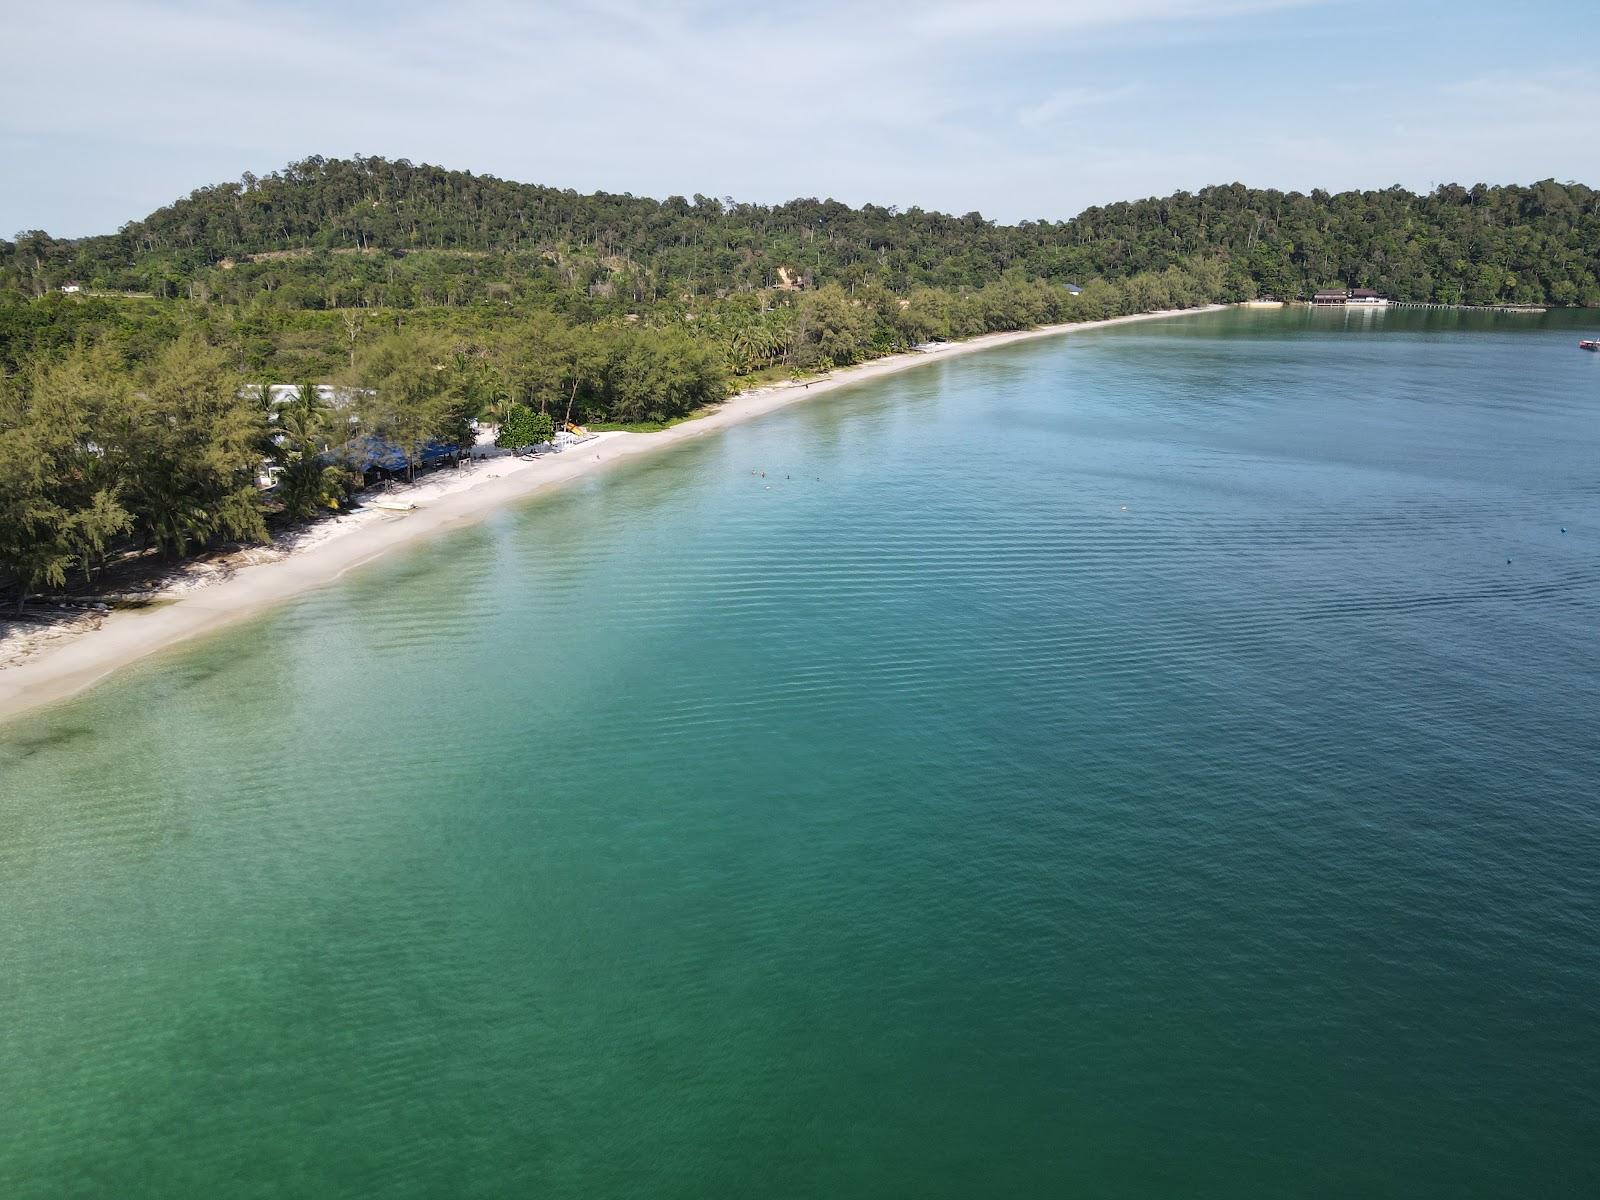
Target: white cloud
[1042, 17]
[1551, 92]
[1016, 107]
[1065, 102]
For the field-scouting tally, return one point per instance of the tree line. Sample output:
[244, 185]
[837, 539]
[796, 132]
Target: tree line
[371, 232]
[179, 450]
[739, 334]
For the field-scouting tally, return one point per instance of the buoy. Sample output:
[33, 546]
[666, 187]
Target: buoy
[1563, 529]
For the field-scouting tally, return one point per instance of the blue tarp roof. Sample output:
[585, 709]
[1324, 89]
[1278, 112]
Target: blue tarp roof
[367, 453]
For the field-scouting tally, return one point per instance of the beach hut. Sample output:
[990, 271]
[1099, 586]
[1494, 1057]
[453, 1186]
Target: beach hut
[376, 458]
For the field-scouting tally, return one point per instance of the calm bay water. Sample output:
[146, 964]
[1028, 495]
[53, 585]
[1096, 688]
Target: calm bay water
[1126, 765]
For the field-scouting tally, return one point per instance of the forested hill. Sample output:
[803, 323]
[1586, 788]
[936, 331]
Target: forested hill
[369, 232]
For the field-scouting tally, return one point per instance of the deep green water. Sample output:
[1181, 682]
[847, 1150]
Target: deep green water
[915, 821]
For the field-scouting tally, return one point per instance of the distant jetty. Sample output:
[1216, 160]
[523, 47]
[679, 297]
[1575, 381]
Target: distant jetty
[1494, 308]
[1366, 298]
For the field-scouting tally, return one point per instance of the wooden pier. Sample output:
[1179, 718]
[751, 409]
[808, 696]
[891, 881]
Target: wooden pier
[1490, 308]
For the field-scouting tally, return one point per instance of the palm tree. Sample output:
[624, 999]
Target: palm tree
[306, 483]
[755, 344]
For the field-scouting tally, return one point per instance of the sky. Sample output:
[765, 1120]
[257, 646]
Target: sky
[1020, 109]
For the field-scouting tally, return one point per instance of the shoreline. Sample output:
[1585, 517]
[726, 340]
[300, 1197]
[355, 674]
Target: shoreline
[75, 661]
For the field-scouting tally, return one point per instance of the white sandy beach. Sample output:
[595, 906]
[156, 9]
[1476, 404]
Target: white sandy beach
[46, 666]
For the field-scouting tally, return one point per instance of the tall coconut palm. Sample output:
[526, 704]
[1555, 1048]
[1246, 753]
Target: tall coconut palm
[307, 482]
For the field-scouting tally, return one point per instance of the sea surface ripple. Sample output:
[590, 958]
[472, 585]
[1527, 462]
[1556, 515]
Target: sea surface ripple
[1160, 762]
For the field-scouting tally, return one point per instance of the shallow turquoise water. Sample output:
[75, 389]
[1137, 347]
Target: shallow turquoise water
[914, 820]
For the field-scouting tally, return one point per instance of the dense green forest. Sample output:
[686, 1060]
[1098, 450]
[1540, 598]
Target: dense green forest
[132, 416]
[368, 232]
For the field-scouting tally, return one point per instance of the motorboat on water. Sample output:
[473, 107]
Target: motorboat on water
[1589, 344]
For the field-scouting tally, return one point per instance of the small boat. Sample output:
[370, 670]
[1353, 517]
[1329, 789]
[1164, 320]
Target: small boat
[1589, 344]
[394, 505]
